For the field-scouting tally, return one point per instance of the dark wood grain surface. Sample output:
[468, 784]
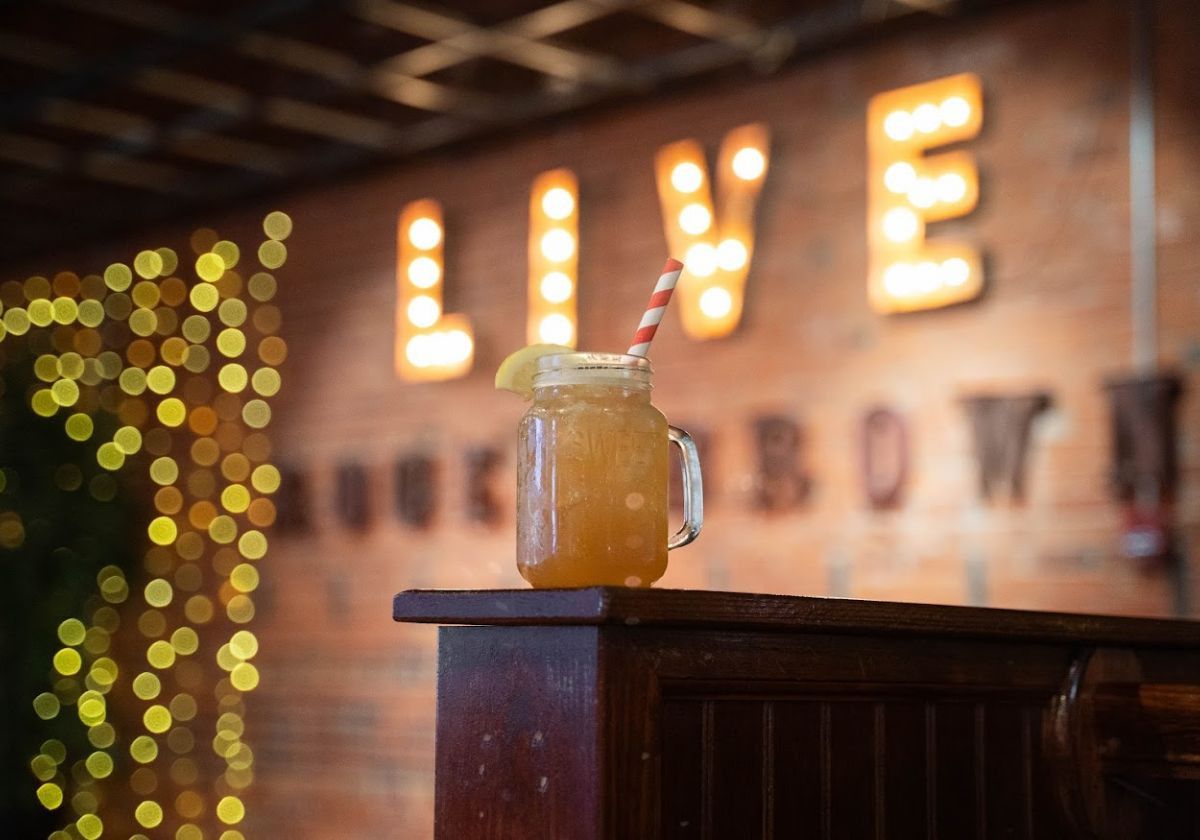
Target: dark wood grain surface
[740, 610]
[615, 714]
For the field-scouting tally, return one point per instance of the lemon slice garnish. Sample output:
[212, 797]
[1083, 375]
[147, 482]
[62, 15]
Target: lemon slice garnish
[516, 372]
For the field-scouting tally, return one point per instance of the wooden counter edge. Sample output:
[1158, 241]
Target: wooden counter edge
[784, 613]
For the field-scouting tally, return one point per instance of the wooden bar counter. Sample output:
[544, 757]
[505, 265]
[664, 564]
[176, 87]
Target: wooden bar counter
[639, 714]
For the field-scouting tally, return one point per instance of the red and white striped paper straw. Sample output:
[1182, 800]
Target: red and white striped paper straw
[655, 308]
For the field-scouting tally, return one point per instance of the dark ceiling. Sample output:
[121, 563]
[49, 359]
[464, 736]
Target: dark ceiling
[115, 113]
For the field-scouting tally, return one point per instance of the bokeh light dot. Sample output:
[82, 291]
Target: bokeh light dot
[243, 644]
[158, 592]
[230, 810]
[143, 749]
[231, 342]
[148, 264]
[118, 277]
[204, 297]
[128, 439]
[222, 529]
[100, 765]
[257, 414]
[46, 705]
[67, 661]
[157, 719]
[50, 795]
[252, 545]
[228, 251]
[272, 253]
[79, 427]
[199, 609]
[70, 632]
[244, 578]
[261, 286]
[240, 609]
[146, 686]
[160, 654]
[171, 412]
[185, 641]
[109, 456]
[244, 677]
[90, 826]
[210, 267]
[160, 379]
[149, 814]
[232, 378]
[277, 225]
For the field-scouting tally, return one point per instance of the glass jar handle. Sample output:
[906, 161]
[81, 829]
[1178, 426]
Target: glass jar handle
[693, 488]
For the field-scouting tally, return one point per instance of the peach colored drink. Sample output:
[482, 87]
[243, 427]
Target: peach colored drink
[592, 475]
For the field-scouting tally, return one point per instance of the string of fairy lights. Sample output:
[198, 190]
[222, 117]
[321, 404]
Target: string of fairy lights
[157, 672]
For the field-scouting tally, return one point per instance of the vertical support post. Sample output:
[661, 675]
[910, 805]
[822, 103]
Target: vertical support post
[1142, 216]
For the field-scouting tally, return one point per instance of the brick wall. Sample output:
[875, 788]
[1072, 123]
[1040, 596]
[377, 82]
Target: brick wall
[343, 720]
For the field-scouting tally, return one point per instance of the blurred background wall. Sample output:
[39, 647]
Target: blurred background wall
[343, 720]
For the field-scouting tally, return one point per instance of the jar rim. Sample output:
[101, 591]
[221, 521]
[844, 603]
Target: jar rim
[593, 361]
[619, 369]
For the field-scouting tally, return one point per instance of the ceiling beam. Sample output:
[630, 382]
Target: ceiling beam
[116, 67]
[456, 40]
[704, 23]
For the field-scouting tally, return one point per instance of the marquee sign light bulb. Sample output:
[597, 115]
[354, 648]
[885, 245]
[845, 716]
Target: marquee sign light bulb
[715, 236]
[687, 177]
[558, 203]
[716, 302]
[558, 245]
[553, 257]
[423, 311]
[424, 272]
[749, 163]
[556, 287]
[695, 219]
[556, 329]
[424, 233]
[909, 189]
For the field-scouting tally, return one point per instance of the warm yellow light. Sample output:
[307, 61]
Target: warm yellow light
[438, 349]
[556, 287]
[424, 272]
[558, 245]
[951, 187]
[558, 203]
[924, 193]
[927, 277]
[418, 352]
[423, 311]
[457, 346]
[927, 118]
[695, 219]
[898, 280]
[900, 224]
[898, 125]
[955, 271]
[716, 302]
[731, 254]
[955, 111]
[701, 259]
[900, 177]
[749, 163]
[556, 329]
[424, 233]
[687, 177]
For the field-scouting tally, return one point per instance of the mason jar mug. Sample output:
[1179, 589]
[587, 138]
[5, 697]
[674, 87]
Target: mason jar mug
[593, 474]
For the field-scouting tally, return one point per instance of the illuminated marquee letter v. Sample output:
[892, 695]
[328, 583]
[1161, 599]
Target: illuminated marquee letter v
[716, 247]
